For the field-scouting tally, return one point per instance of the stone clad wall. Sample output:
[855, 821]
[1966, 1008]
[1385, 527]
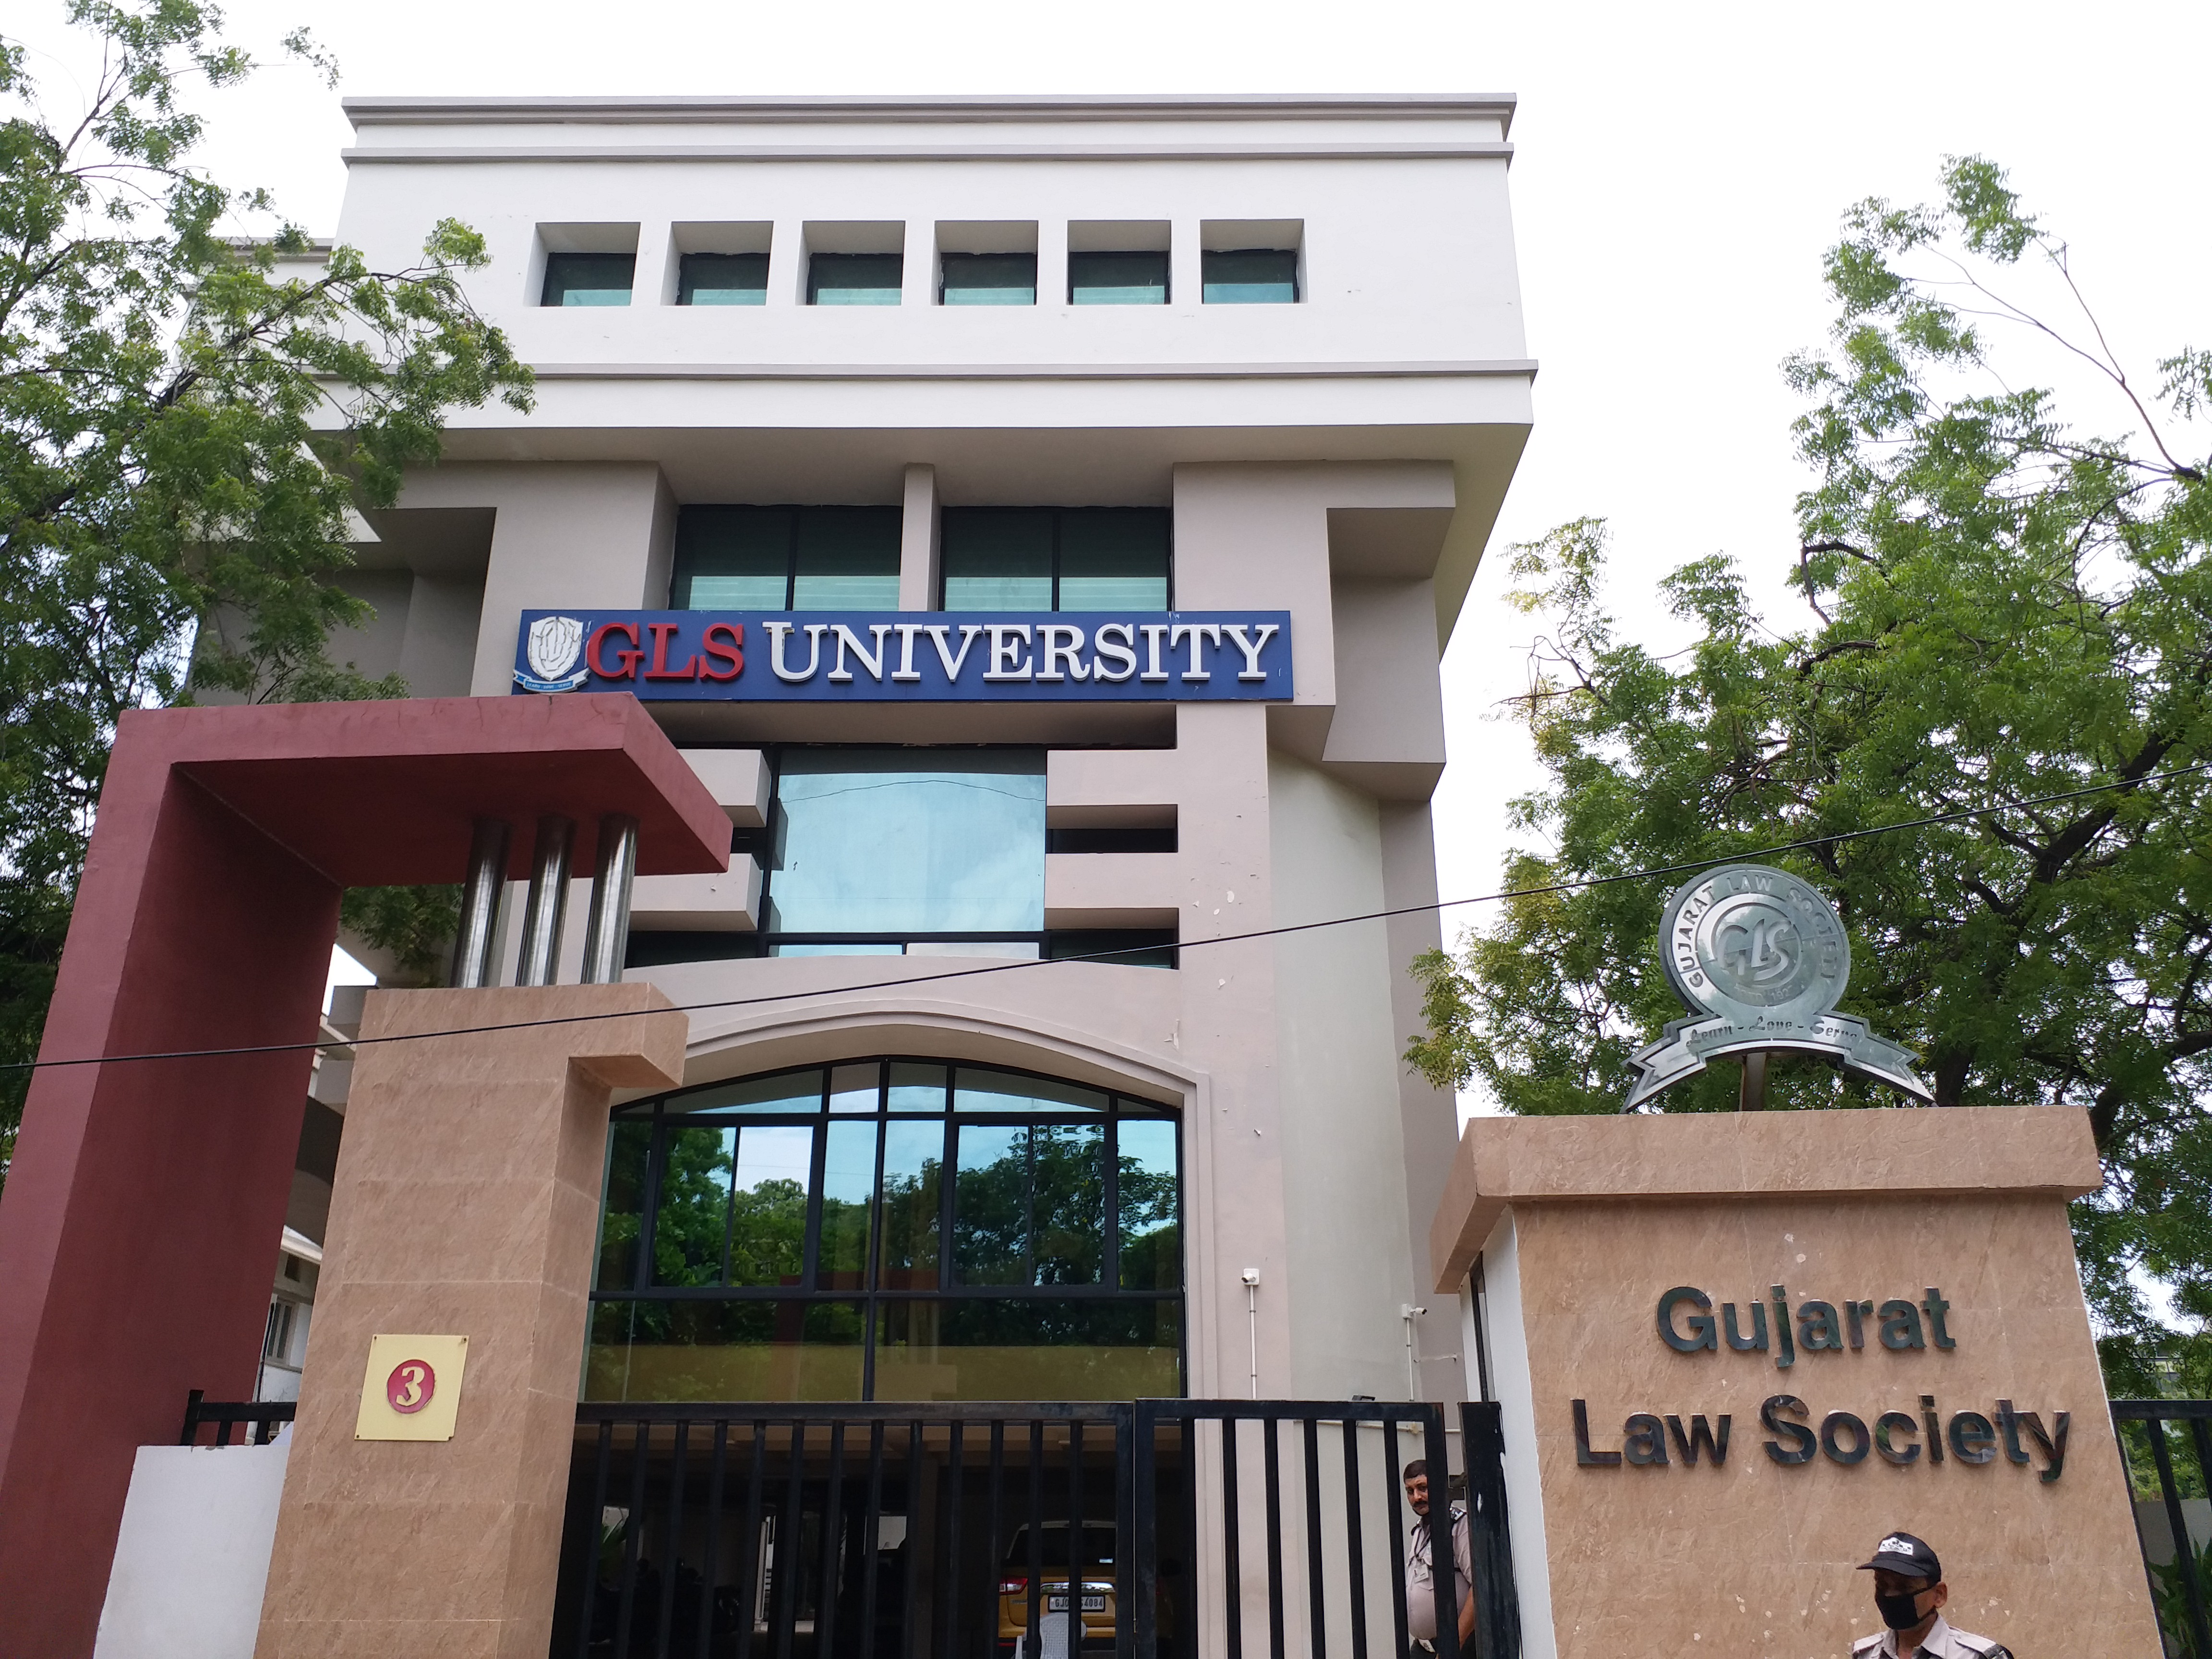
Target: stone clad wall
[1651, 1554]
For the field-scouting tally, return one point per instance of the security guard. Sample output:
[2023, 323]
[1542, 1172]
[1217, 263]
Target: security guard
[1909, 1592]
[1420, 1583]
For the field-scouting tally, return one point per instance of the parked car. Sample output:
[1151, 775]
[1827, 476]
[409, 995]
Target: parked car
[1098, 1610]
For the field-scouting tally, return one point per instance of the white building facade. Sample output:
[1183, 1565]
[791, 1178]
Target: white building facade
[875, 381]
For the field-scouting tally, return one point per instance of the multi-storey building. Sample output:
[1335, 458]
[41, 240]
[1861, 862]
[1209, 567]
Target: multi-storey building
[868, 380]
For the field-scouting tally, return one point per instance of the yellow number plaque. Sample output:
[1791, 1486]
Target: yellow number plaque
[412, 1389]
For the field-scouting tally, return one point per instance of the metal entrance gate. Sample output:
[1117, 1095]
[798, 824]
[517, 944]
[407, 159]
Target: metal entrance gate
[1156, 1529]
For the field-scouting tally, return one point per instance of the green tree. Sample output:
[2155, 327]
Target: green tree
[188, 423]
[1995, 606]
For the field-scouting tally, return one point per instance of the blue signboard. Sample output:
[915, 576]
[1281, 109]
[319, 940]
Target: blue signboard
[891, 656]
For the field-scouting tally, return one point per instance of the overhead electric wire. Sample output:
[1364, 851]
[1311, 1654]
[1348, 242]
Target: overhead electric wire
[1574, 884]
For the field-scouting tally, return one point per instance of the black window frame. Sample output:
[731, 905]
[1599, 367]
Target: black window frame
[680, 577]
[1119, 1106]
[1058, 516]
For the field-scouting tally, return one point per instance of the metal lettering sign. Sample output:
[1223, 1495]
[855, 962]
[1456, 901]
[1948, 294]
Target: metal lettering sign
[1762, 957]
[727, 656]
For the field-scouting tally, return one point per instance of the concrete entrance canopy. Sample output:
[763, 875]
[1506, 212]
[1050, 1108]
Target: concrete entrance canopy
[145, 1198]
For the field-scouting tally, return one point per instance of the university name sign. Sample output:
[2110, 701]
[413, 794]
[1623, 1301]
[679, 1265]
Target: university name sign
[727, 656]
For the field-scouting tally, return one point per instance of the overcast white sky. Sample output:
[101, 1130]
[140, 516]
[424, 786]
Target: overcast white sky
[1680, 170]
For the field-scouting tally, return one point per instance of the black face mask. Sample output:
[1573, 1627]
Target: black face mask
[1900, 1612]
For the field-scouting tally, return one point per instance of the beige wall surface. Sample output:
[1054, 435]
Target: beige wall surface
[466, 1199]
[1753, 1557]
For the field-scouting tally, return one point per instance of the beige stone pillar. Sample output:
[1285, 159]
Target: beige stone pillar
[1607, 1243]
[467, 1191]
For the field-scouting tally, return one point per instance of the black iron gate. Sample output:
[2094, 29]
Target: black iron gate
[2167, 1489]
[1030, 1531]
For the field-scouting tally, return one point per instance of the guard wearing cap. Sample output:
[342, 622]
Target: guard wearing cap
[1909, 1592]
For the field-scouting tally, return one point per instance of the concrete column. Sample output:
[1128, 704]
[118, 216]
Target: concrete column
[570, 534]
[466, 1195]
[918, 541]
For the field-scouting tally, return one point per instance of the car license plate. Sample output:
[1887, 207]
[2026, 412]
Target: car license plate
[1090, 1604]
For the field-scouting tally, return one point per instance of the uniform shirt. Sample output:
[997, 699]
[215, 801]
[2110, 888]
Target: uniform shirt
[1420, 1586]
[1941, 1642]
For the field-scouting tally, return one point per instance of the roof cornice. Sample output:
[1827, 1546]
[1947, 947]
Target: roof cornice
[1256, 106]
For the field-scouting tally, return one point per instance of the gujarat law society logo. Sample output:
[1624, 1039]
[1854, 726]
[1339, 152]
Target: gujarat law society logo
[553, 649]
[1762, 958]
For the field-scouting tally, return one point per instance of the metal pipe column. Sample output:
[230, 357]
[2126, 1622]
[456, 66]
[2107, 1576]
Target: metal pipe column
[549, 901]
[479, 928]
[606, 933]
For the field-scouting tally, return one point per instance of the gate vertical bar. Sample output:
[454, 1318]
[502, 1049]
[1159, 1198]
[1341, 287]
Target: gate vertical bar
[913, 1537]
[1398, 1542]
[1076, 1542]
[833, 1516]
[790, 1536]
[2184, 1556]
[641, 1444]
[1232, 1557]
[871, 1531]
[1352, 1540]
[1271, 1432]
[1034, 1636]
[1444, 1551]
[750, 1579]
[1143, 1549]
[589, 1550]
[1124, 1579]
[664, 1622]
[948, 1576]
[1317, 1637]
[711, 1548]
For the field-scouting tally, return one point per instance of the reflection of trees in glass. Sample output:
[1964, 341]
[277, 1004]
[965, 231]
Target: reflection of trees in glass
[1146, 1186]
[622, 1218]
[991, 1206]
[914, 1157]
[768, 1234]
[1069, 1191]
[693, 1221]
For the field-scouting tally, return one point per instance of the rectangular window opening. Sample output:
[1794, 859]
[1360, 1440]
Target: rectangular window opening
[855, 263]
[987, 279]
[1250, 262]
[722, 279]
[588, 279]
[1096, 558]
[786, 558]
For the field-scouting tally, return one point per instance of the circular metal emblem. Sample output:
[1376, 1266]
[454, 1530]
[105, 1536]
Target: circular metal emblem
[410, 1386]
[1755, 944]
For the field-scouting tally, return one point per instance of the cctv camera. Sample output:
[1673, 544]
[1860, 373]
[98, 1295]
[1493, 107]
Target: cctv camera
[1251, 1275]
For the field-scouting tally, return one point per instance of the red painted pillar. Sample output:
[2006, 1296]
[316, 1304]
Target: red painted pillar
[139, 1221]
[145, 1199]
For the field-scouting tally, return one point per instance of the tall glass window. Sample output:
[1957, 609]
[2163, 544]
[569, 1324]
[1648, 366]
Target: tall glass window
[893, 849]
[1250, 277]
[786, 558]
[1044, 558]
[987, 279]
[722, 279]
[588, 279]
[890, 1229]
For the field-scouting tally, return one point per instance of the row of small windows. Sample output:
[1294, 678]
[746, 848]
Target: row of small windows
[1097, 276]
[990, 558]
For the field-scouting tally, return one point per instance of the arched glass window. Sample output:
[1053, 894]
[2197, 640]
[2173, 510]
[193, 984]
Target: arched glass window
[890, 1229]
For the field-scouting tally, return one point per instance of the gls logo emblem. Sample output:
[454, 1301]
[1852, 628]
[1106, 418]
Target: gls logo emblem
[553, 647]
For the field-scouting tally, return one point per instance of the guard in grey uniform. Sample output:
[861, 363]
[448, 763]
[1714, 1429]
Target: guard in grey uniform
[1909, 1592]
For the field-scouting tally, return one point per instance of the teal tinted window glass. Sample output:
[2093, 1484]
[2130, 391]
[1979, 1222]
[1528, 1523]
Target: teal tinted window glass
[1067, 1202]
[621, 1213]
[885, 842]
[722, 279]
[987, 279]
[991, 1206]
[1117, 279]
[996, 559]
[1151, 1241]
[914, 1157]
[1009, 1092]
[786, 1091]
[848, 1185]
[847, 558]
[1251, 277]
[690, 1230]
[588, 279]
[916, 1088]
[768, 1204]
[733, 558]
[696, 1349]
[840, 949]
[1114, 558]
[855, 279]
[854, 1088]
